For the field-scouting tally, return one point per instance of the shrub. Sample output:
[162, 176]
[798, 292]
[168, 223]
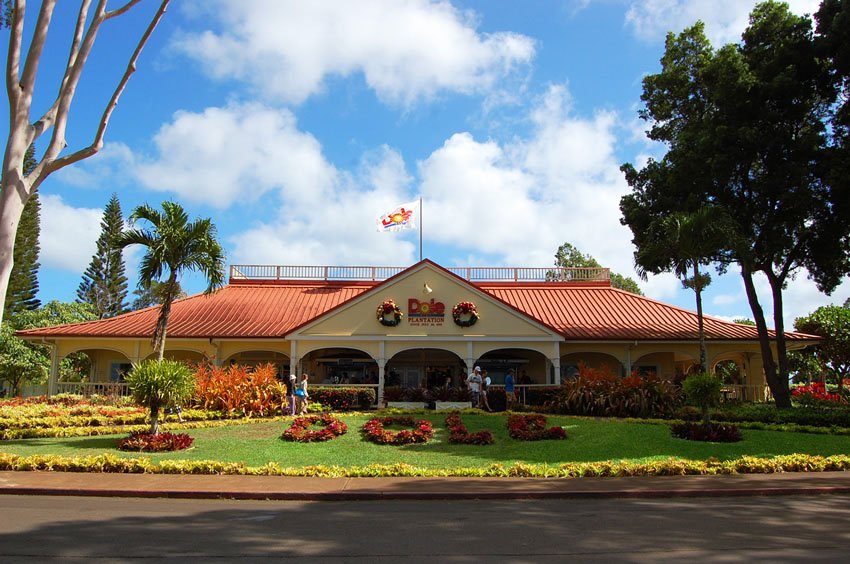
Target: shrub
[816, 395]
[374, 430]
[144, 441]
[344, 399]
[414, 395]
[157, 384]
[393, 393]
[600, 392]
[708, 432]
[330, 428]
[703, 390]
[458, 433]
[533, 428]
[239, 389]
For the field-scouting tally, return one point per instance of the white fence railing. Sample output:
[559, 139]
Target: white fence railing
[378, 273]
[89, 389]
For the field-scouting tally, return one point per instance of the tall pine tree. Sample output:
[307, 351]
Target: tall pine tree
[23, 281]
[104, 284]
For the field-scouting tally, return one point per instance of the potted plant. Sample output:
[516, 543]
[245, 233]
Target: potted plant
[446, 397]
[400, 398]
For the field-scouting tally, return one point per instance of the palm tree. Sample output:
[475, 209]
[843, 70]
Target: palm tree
[173, 246]
[683, 242]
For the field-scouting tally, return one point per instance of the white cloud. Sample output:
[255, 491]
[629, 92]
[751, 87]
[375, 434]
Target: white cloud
[239, 152]
[69, 239]
[521, 201]
[407, 50]
[725, 20]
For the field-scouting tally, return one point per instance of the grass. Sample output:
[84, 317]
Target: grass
[589, 440]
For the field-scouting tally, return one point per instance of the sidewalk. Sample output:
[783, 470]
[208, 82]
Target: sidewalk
[323, 489]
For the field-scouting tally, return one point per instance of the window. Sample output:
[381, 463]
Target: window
[118, 370]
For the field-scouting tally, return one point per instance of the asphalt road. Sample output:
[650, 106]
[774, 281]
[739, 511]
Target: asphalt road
[760, 529]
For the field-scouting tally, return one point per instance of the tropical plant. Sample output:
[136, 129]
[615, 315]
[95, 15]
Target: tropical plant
[240, 390]
[832, 353]
[568, 256]
[174, 245]
[157, 384]
[703, 391]
[682, 243]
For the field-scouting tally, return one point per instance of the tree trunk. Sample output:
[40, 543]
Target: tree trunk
[164, 312]
[13, 198]
[773, 381]
[783, 398]
[154, 420]
[703, 356]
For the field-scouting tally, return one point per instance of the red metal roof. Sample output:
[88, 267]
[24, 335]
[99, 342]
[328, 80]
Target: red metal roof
[271, 309]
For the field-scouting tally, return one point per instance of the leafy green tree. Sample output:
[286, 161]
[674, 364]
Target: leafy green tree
[746, 131]
[568, 256]
[832, 325]
[24, 362]
[157, 384]
[153, 294]
[104, 284]
[173, 245]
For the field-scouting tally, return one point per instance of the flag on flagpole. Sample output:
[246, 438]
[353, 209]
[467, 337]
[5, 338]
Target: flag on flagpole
[399, 218]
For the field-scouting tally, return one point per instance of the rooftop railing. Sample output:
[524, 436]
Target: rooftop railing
[378, 273]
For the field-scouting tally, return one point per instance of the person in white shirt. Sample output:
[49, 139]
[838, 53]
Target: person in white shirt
[474, 380]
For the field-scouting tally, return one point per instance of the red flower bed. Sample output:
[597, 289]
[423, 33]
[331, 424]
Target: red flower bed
[814, 394]
[330, 428]
[532, 427]
[458, 433]
[711, 433]
[144, 441]
[374, 431]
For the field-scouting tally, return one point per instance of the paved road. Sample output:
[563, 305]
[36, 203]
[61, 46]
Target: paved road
[741, 529]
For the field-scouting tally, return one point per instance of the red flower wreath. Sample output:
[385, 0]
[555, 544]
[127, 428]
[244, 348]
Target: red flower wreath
[300, 431]
[465, 308]
[375, 432]
[387, 308]
[533, 428]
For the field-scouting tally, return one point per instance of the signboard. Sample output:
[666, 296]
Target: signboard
[420, 313]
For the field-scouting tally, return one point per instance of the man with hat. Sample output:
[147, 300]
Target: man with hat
[474, 381]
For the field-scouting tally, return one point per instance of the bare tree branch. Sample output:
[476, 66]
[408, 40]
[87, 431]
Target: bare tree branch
[13, 59]
[36, 47]
[46, 121]
[122, 9]
[97, 143]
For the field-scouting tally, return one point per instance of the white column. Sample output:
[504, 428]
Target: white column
[556, 364]
[470, 360]
[53, 377]
[293, 358]
[382, 363]
[628, 364]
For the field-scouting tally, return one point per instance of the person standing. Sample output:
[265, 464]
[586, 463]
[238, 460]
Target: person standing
[291, 384]
[302, 395]
[474, 381]
[485, 387]
[510, 393]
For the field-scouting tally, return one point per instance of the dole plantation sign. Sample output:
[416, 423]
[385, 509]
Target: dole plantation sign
[431, 313]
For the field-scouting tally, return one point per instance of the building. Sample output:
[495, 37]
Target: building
[380, 326]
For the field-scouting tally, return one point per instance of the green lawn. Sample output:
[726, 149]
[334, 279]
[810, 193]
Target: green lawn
[589, 440]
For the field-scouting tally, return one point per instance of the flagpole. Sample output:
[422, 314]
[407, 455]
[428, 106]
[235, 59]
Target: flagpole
[420, 229]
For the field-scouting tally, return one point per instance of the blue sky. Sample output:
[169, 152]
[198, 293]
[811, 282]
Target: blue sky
[293, 125]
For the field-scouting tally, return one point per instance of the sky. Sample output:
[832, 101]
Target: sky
[293, 125]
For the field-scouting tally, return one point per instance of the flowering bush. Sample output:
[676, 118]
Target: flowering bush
[458, 433]
[465, 314]
[240, 390]
[815, 394]
[389, 308]
[374, 431]
[144, 441]
[330, 428]
[598, 391]
[533, 428]
[711, 432]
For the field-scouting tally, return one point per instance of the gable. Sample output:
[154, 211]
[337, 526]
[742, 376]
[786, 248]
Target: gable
[424, 312]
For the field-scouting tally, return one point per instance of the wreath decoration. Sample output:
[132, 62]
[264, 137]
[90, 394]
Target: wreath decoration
[533, 428]
[374, 430]
[389, 307]
[462, 309]
[300, 432]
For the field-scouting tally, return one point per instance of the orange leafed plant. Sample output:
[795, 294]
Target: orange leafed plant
[239, 389]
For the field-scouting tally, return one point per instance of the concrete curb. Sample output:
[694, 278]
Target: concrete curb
[377, 489]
